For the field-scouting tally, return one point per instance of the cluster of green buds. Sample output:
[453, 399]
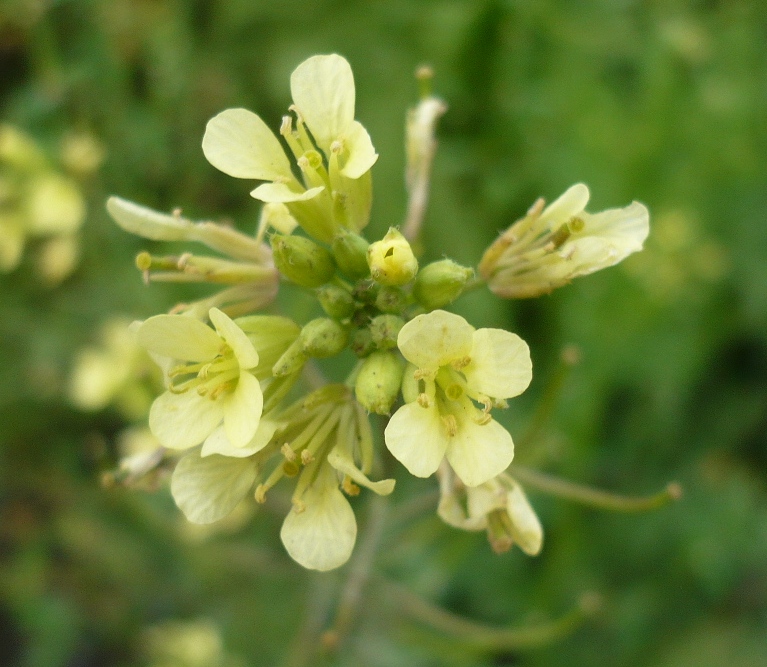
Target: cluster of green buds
[234, 376]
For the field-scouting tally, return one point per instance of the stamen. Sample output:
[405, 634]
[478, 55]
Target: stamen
[451, 424]
[423, 400]
[287, 452]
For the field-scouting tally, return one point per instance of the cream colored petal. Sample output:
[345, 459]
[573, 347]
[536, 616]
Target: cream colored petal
[362, 155]
[608, 238]
[344, 464]
[145, 222]
[207, 489]
[479, 452]
[453, 512]
[571, 203]
[485, 498]
[500, 364]
[323, 92]
[281, 193]
[181, 421]
[240, 144]
[242, 410]
[435, 339]
[526, 529]
[218, 443]
[415, 436]
[178, 337]
[322, 536]
[235, 337]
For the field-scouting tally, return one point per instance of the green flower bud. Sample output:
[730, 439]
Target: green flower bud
[384, 330]
[439, 283]
[302, 261]
[362, 342]
[378, 381]
[337, 302]
[366, 291]
[350, 252]
[391, 299]
[291, 361]
[271, 335]
[323, 337]
[391, 260]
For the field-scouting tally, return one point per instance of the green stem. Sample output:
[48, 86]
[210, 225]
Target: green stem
[488, 637]
[359, 574]
[594, 497]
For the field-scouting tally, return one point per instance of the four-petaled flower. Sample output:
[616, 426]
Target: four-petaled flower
[550, 246]
[216, 386]
[335, 161]
[451, 366]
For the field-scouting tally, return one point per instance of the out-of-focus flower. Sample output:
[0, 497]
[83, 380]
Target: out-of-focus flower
[550, 246]
[36, 202]
[452, 365]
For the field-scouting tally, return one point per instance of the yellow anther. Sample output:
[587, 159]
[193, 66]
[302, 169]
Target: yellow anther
[287, 452]
[451, 424]
[423, 400]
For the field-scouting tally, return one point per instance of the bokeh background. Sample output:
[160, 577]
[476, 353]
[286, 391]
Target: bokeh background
[660, 101]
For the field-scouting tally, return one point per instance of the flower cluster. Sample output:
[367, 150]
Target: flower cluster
[232, 404]
[37, 202]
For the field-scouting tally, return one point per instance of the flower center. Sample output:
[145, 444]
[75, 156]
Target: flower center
[210, 378]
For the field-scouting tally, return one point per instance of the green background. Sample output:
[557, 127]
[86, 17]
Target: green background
[663, 102]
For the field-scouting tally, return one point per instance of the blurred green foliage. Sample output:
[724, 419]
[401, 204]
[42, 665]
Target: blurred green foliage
[663, 102]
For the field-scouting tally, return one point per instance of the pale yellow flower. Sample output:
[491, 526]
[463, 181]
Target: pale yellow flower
[498, 506]
[453, 365]
[216, 386]
[336, 190]
[550, 246]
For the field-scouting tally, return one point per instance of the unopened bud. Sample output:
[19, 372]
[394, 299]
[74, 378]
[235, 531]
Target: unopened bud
[350, 253]
[378, 381]
[362, 342]
[384, 330]
[323, 337]
[302, 261]
[291, 361]
[337, 302]
[439, 283]
[391, 299]
[391, 260]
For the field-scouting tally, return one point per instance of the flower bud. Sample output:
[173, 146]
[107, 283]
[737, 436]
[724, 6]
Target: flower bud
[384, 330]
[350, 253]
[391, 260]
[271, 335]
[391, 299]
[291, 361]
[439, 283]
[323, 337]
[337, 302]
[378, 381]
[302, 261]
[362, 342]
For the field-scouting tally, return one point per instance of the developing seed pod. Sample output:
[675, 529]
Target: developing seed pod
[302, 261]
[378, 381]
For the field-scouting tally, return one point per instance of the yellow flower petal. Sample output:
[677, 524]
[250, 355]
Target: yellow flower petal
[322, 536]
[207, 489]
[218, 442]
[180, 421]
[435, 339]
[500, 364]
[243, 349]
[179, 337]
[526, 529]
[240, 144]
[479, 452]
[416, 438]
[570, 203]
[362, 155]
[323, 93]
[242, 410]
[345, 465]
[281, 193]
